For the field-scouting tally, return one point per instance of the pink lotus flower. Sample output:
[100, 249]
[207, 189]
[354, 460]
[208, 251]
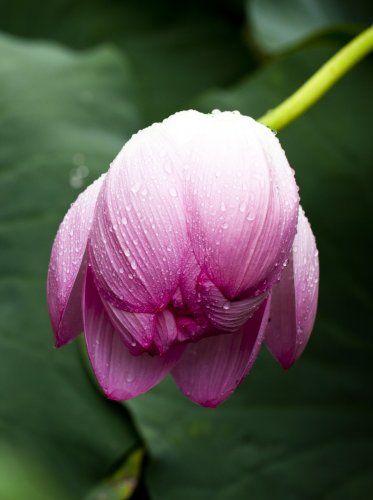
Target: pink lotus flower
[188, 254]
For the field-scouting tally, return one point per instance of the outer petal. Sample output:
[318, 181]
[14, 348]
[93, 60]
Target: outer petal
[242, 203]
[121, 375]
[211, 369]
[139, 232]
[67, 263]
[294, 299]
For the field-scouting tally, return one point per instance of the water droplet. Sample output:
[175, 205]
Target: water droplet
[226, 306]
[242, 207]
[133, 265]
[224, 226]
[127, 253]
[173, 192]
[135, 188]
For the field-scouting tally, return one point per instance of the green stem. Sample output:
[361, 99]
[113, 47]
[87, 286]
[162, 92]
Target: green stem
[320, 82]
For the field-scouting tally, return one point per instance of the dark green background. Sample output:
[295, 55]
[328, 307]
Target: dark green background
[77, 78]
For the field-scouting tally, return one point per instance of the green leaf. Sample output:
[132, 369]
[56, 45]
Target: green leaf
[307, 433]
[63, 117]
[22, 478]
[279, 26]
[123, 483]
[177, 50]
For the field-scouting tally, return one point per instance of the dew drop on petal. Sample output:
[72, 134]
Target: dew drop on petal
[135, 188]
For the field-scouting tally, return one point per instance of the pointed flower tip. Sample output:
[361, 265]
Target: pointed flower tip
[285, 360]
[59, 343]
[286, 364]
[164, 278]
[114, 395]
[211, 405]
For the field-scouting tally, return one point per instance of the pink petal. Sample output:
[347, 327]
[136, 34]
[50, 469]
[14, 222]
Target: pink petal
[121, 375]
[294, 299]
[66, 267]
[137, 329]
[166, 331]
[189, 330]
[211, 369]
[139, 232]
[223, 314]
[242, 203]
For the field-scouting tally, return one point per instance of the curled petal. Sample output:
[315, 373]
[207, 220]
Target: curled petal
[166, 331]
[211, 369]
[223, 314]
[121, 375]
[67, 266]
[139, 231]
[294, 299]
[242, 203]
[137, 329]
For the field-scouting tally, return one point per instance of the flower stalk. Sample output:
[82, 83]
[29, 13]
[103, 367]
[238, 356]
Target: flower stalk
[314, 88]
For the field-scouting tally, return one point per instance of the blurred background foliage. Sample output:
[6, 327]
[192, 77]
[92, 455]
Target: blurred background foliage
[77, 78]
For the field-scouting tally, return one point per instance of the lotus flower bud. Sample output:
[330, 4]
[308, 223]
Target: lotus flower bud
[184, 257]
